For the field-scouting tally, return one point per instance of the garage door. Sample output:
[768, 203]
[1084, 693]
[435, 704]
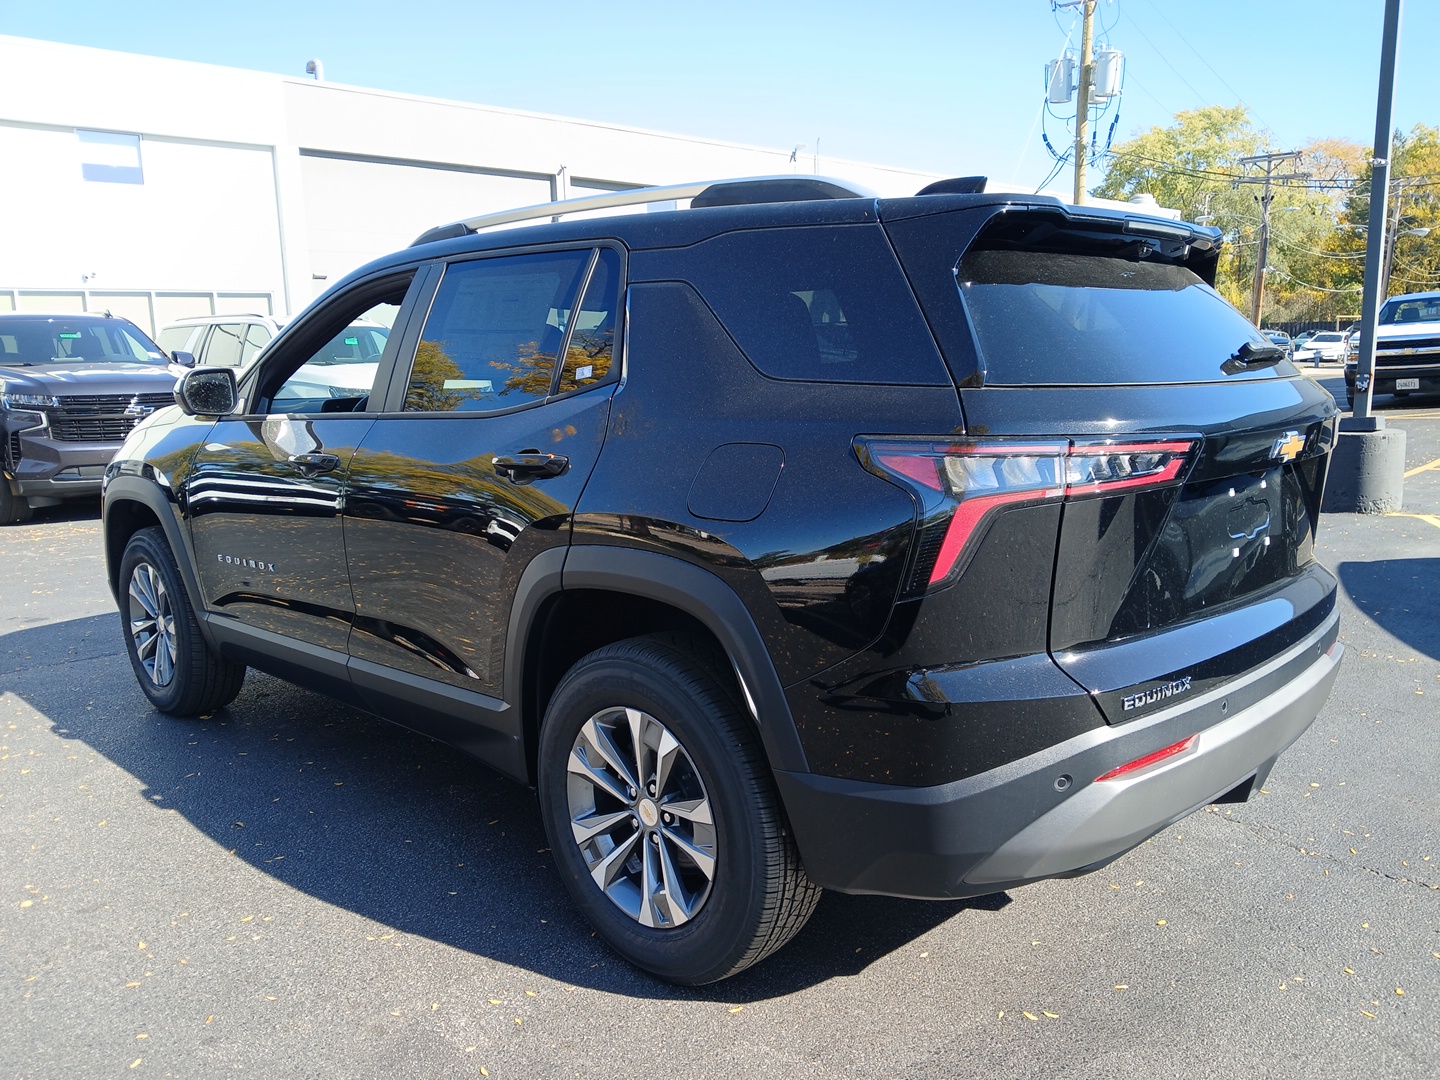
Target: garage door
[357, 210]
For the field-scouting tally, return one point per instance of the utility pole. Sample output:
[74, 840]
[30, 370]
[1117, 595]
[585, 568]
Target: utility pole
[1082, 115]
[1269, 161]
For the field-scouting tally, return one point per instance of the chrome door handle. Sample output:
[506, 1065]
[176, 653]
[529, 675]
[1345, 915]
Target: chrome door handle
[528, 467]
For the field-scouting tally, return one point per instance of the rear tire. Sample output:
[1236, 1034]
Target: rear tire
[14, 509]
[662, 814]
[175, 668]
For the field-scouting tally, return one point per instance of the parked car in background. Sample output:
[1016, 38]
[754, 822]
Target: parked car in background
[219, 340]
[71, 388]
[346, 363]
[728, 530]
[1282, 339]
[1328, 345]
[1407, 348]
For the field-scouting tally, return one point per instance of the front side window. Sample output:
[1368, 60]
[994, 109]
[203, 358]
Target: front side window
[330, 360]
[223, 348]
[495, 332]
[255, 340]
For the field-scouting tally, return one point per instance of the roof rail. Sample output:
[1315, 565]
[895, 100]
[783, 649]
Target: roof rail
[739, 191]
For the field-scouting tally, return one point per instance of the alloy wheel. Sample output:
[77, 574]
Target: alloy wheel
[641, 817]
[152, 624]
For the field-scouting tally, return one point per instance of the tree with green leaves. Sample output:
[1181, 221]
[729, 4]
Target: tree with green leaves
[1193, 165]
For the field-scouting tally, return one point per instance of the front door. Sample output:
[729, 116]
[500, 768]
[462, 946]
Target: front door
[265, 494]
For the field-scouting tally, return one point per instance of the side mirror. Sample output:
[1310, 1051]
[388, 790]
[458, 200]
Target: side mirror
[207, 392]
[183, 358]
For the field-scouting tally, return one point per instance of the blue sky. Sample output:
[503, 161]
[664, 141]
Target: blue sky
[950, 87]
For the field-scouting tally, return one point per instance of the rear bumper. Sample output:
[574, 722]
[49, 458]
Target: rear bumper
[1044, 815]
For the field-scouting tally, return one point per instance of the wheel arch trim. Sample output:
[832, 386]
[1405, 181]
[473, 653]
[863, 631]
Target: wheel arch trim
[683, 586]
[123, 488]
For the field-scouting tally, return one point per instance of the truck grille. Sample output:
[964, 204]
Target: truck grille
[1426, 351]
[101, 417]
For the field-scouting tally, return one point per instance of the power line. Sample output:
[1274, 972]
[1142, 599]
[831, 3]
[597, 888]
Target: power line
[1202, 59]
[1164, 58]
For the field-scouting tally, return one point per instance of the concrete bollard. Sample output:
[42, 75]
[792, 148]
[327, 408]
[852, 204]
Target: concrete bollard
[1367, 473]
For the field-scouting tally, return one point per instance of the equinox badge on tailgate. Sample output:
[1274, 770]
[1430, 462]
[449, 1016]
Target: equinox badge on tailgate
[1157, 693]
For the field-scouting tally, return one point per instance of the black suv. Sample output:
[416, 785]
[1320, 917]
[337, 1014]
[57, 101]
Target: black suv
[792, 540]
[71, 388]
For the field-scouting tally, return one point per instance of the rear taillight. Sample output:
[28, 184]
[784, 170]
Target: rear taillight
[960, 484]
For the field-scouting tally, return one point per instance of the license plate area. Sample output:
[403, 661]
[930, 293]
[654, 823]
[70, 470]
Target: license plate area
[1407, 384]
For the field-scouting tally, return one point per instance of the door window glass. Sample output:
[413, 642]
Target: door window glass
[494, 332]
[339, 376]
[592, 346]
[177, 338]
[255, 340]
[224, 347]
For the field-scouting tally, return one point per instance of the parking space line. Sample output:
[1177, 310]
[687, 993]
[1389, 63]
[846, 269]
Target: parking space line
[1430, 519]
[1423, 468]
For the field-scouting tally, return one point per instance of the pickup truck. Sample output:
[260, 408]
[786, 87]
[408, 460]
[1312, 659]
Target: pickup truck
[1407, 348]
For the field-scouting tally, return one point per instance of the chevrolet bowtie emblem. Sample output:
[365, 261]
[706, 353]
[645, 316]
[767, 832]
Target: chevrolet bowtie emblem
[1287, 446]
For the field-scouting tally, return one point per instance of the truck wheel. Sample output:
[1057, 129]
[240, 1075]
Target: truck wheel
[662, 815]
[14, 509]
[175, 668]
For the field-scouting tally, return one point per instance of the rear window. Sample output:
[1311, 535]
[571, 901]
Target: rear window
[819, 304]
[1064, 319]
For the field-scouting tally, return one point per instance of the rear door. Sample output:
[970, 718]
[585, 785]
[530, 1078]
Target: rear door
[489, 436]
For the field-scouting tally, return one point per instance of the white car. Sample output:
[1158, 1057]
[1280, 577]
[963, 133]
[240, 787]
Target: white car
[1328, 345]
[345, 367]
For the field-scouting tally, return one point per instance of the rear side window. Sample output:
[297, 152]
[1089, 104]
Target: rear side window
[1065, 319]
[495, 331]
[819, 304]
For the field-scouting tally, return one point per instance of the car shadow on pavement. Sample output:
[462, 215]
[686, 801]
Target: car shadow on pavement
[398, 829]
[1401, 595]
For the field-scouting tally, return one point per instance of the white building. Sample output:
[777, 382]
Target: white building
[159, 189]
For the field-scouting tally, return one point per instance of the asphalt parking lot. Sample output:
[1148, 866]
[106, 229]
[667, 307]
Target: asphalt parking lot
[292, 888]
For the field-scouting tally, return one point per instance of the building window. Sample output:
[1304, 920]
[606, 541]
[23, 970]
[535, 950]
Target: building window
[110, 157]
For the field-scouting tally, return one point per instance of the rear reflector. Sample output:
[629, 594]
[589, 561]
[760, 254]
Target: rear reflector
[961, 483]
[1141, 764]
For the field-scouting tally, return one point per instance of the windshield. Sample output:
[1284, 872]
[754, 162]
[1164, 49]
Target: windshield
[1416, 309]
[27, 341]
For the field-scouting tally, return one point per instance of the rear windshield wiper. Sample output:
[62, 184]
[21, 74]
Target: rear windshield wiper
[1250, 356]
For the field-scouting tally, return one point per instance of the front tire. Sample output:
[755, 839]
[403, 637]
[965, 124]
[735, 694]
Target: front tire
[14, 509]
[662, 815]
[175, 668]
